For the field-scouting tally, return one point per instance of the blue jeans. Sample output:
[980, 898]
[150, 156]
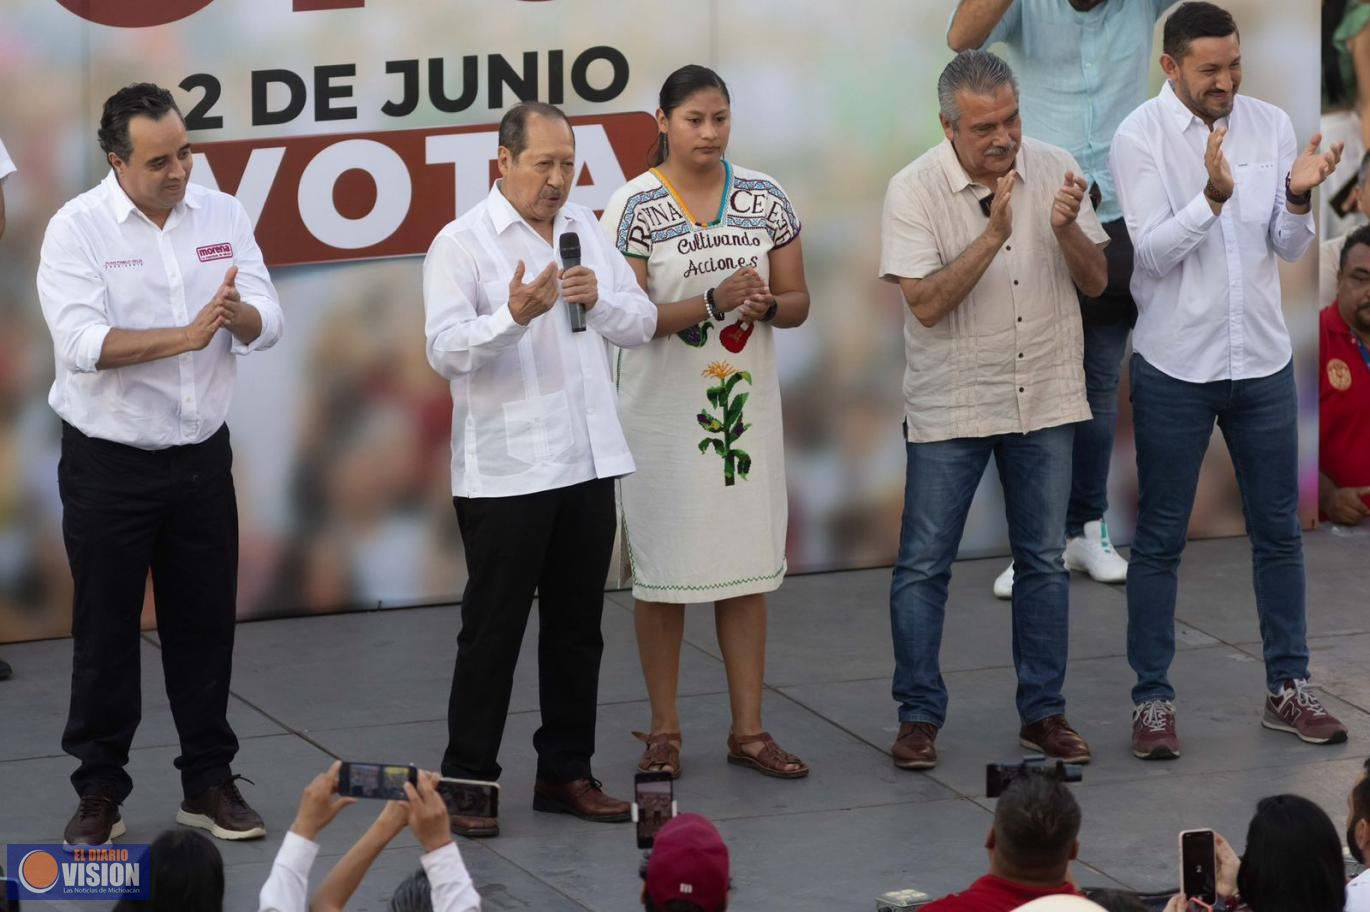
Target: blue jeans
[1174, 422]
[1104, 347]
[941, 481]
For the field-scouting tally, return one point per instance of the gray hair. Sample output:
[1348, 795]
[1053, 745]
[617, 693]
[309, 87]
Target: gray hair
[977, 72]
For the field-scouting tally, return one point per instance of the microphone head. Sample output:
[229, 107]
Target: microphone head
[570, 246]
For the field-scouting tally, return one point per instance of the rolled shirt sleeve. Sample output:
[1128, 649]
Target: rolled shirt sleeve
[459, 338]
[71, 291]
[254, 284]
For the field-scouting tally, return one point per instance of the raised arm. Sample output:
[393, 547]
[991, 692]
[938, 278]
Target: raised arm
[974, 21]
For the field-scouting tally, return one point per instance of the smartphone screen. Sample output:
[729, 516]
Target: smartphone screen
[375, 780]
[469, 798]
[655, 799]
[1199, 867]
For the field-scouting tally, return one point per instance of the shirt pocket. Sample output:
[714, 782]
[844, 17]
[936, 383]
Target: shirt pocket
[1255, 191]
[538, 430]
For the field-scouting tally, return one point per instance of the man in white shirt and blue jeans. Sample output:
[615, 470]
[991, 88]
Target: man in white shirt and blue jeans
[152, 289]
[536, 444]
[1214, 187]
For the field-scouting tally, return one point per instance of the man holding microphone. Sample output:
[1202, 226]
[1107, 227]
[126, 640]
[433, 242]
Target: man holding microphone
[536, 444]
[151, 289]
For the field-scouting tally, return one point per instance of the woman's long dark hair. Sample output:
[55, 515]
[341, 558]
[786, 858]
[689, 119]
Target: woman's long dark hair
[679, 86]
[1337, 90]
[187, 875]
[1293, 859]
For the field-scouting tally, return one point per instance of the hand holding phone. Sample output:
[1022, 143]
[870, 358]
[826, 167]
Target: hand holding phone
[375, 780]
[319, 804]
[1199, 866]
[653, 804]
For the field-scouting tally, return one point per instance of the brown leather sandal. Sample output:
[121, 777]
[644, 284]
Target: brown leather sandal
[771, 761]
[662, 753]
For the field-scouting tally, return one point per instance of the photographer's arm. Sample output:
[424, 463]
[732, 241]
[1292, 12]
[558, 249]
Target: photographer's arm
[347, 874]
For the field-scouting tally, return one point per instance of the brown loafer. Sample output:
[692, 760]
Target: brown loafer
[583, 798]
[473, 827]
[770, 760]
[1054, 737]
[914, 748]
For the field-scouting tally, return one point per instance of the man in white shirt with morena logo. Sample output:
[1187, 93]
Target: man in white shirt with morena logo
[152, 289]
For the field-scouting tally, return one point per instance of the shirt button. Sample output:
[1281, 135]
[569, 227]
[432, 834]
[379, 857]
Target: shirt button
[1008, 247]
[1015, 281]
[1020, 389]
[1020, 319]
[1020, 354]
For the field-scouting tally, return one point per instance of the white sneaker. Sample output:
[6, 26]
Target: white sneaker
[1003, 583]
[1093, 553]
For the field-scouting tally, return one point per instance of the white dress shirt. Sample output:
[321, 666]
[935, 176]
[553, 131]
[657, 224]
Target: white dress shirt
[6, 163]
[1207, 286]
[533, 407]
[105, 265]
[1358, 893]
[287, 887]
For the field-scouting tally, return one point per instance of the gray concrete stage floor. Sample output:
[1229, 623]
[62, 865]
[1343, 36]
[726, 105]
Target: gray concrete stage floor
[374, 687]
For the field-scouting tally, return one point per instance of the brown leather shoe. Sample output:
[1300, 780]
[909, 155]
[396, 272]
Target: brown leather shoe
[95, 822]
[222, 810]
[464, 824]
[914, 748]
[1054, 737]
[583, 798]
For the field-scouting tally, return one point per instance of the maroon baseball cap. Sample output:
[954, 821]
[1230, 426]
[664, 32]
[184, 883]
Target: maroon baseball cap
[689, 861]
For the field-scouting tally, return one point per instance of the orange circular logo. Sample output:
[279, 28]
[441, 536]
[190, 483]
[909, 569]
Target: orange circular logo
[135, 13]
[38, 871]
[1339, 375]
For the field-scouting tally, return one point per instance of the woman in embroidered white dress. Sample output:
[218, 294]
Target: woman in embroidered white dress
[717, 249]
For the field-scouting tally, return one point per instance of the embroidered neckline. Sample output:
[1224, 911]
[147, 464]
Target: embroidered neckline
[722, 201]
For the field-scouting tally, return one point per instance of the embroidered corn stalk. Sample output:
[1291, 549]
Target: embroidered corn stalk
[728, 423]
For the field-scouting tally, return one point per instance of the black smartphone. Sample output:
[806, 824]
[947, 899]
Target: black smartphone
[470, 798]
[1199, 866]
[376, 780]
[653, 804]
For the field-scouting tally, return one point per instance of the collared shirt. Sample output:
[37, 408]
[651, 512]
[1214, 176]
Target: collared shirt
[6, 163]
[287, 887]
[1358, 893]
[1010, 358]
[105, 265]
[1079, 74]
[1207, 287]
[533, 407]
[1343, 403]
[994, 894]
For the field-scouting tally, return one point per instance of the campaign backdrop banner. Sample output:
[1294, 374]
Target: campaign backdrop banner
[353, 130]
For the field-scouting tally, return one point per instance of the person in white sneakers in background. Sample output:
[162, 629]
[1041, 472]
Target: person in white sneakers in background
[1083, 65]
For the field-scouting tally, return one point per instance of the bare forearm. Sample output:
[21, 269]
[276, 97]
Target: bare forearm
[341, 882]
[678, 315]
[248, 325]
[1086, 262]
[932, 298]
[126, 347]
[973, 22]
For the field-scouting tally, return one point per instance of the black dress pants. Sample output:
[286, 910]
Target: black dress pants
[127, 511]
[558, 543]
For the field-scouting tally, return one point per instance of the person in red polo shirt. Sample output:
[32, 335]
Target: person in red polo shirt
[1344, 390]
[1031, 844]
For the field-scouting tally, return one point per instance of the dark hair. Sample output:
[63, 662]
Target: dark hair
[1360, 236]
[1293, 860]
[1195, 20]
[140, 99]
[187, 875]
[675, 905]
[1332, 83]
[1360, 810]
[1035, 824]
[414, 894]
[679, 86]
[1117, 900]
[513, 126]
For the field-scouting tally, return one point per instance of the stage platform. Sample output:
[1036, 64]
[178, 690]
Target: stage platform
[373, 687]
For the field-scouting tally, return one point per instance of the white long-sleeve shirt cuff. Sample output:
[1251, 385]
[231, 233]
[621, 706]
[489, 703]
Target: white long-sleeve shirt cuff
[449, 881]
[270, 334]
[1198, 216]
[287, 889]
[89, 346]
